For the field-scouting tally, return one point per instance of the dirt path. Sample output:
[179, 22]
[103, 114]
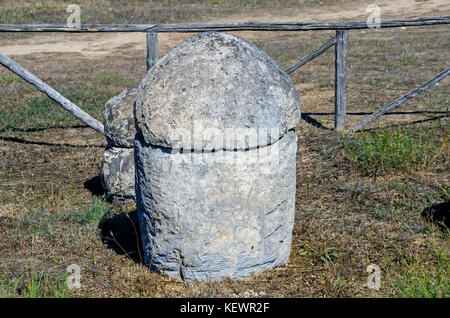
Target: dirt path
[98, 45]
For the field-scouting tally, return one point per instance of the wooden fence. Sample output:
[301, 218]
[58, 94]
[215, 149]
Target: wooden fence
[339, 42]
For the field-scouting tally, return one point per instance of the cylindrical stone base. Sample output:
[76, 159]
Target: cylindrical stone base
[207, 216]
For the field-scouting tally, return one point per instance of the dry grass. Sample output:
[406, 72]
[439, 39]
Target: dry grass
[143, 11]
[52, 213]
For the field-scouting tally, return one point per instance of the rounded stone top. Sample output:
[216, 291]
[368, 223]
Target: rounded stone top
[215, 91]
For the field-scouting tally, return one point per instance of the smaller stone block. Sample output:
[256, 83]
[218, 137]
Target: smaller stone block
[117, 173]
[119, 119]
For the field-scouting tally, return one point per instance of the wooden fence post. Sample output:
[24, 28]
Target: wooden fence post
[152, 49]
[340, 79]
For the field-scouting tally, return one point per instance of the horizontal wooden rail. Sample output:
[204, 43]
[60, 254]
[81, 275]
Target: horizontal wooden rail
[312, 56]
[401, 100]
[236, 26]
[340, 42]
[53, 94]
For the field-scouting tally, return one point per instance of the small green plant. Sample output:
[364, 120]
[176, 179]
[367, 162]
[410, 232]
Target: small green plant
[93, 213]
[387, 150]
[328, 255]
[326, 84]
[302, 252]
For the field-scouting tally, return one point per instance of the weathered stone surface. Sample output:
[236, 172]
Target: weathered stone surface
[203, 218]
[117, 173]
[226, 82]
[209, 209]
[119, 118]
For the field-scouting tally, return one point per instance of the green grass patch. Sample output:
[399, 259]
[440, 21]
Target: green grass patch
[62, 226]
[109, 79]
[38, 223]
[8, 79]
[33, 284]
[381, 212]
[93, 213]
[420, 279]
[326, 84]
[40, 111]
[394, 149]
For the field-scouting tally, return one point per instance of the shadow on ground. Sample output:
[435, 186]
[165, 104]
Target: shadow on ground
[43, 143]
[122, 234]
[439, 214]
[37, 129]
[94, 185]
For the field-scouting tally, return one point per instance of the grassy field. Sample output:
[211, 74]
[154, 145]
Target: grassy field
[360, 197]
